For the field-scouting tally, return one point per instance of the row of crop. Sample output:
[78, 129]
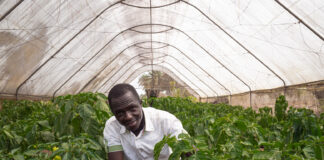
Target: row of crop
[68, 127]
[232, 132]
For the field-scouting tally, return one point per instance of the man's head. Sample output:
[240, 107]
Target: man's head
[126, 105]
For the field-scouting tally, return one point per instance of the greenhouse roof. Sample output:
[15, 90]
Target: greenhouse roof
[211, 47]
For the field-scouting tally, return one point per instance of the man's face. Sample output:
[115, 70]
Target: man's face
[127, 110]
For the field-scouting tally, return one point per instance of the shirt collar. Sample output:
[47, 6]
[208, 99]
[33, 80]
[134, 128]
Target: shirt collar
[122, 128]
[148, 123]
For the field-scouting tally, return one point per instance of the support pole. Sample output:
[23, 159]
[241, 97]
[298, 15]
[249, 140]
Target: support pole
[251, 99]
[10, 10]
[300, 20]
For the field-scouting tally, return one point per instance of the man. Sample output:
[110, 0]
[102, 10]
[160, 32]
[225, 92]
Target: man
[133, 131]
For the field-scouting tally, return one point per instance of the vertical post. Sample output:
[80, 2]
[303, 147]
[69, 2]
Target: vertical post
[151, 31]
[251, 99]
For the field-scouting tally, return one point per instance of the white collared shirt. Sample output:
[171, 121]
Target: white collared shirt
[158, 124]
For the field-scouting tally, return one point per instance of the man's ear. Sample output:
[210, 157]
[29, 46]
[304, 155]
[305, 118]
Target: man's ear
[140, 101]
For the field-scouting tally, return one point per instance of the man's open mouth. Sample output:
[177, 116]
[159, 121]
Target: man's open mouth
[131, 123]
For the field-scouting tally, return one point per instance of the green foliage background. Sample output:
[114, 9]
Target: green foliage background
[231, 132]
[70, 127]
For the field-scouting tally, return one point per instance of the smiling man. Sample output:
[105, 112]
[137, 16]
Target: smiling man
[133, 131]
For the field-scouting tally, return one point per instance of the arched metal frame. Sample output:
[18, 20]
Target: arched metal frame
[211, 88]
[151, 36]
[151, 47]
[119, 34]
[181, 65]
[151, 44]
[162, 67]
[150, 7]
[198, 66]
[236, 41]
[300, 20]
[165, 70]
[165, 45]
[137, 45]
[59, 50]
[10, 10]
[150, 32]
[128, 69]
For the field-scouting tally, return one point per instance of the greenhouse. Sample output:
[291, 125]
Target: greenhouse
[245, 78]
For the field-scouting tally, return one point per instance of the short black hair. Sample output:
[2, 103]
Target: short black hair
[120, 89]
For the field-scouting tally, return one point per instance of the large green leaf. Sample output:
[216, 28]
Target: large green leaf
[47, 136]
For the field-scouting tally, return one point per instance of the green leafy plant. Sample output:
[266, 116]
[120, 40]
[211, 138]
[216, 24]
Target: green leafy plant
[72, 123]
[232, 132]
[281, 107]
[70, 127]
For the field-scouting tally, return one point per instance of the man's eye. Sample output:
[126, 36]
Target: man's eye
[119, 114]
[133, 109]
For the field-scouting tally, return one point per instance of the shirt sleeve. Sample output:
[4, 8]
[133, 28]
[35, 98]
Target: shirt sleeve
[112, 136]
[175, 126]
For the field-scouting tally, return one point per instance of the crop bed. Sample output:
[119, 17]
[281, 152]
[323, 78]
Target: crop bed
[70, 127]
[220, 131]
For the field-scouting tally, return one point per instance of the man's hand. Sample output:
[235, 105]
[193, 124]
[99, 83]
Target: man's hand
[119, 155]
[188, 154]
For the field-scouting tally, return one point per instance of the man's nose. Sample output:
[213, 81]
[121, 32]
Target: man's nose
[128, 115]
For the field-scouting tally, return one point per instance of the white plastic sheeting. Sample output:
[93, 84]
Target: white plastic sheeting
[211, 47]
